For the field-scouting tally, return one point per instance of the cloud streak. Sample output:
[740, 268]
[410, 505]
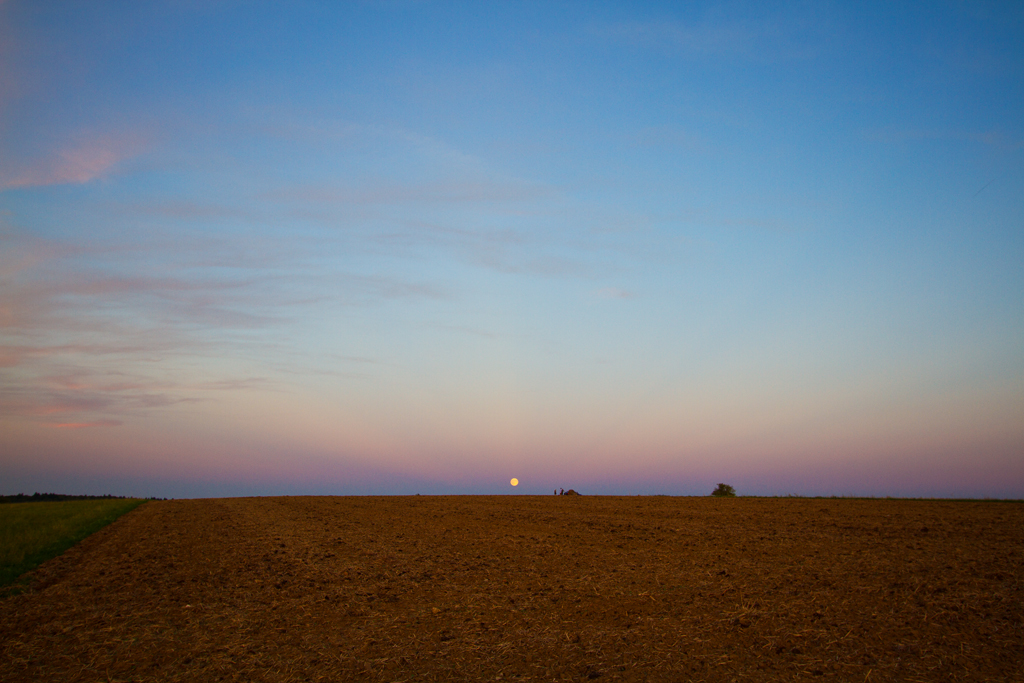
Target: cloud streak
[78, 162]
[85, 425]
[427, 193]
[615, 293]
[88, 334]
[35, 401]
[995, 139]
[779, 36]
[707, 39]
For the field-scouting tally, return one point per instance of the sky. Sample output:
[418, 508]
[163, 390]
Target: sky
[394, 247]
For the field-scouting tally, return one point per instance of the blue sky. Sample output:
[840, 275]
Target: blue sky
[405, 247]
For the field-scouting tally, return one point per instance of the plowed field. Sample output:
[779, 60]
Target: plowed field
[530, 588]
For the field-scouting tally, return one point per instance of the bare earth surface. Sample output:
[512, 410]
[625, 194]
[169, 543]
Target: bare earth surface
[519, 587]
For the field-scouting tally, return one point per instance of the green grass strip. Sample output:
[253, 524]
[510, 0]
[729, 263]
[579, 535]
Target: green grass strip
[32, 533]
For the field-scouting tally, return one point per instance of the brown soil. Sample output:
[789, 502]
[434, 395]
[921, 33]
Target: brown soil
[517, 587]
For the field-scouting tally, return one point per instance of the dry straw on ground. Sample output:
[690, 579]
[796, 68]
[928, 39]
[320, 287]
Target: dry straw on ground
[530, 588]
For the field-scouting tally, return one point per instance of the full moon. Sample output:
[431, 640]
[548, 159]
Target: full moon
[514, 482]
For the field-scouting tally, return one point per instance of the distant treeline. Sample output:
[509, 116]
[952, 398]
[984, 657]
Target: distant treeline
[50, 497]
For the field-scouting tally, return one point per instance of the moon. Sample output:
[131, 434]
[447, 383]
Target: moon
[514, 482]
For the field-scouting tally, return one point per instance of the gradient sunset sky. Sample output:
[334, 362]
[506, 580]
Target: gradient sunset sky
[400, 247]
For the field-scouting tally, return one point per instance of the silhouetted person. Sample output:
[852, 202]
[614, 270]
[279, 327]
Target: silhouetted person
[561, 492]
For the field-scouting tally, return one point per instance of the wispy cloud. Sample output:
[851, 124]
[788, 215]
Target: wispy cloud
[463, 329]
[766, 35]
[9, 85]
[179, 210]
[715, 40]
[525, 264]
[434, 152]
[80, 300]
[669, 136]
[82, 425]
[76, 162]
[103, 332]
[399, 220]
[386, 193]
[615, 293]
[13, 355]
[39, 401]
[992, 138]
[236, 384]
[503, 250]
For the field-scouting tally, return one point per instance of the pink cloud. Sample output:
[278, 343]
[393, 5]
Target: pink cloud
[82, 425]
[74, 408]
[615, 293]
[9, 355]
[78, 163]
[57, 405]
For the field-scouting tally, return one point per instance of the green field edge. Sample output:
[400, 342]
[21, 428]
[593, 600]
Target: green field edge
[13, 578]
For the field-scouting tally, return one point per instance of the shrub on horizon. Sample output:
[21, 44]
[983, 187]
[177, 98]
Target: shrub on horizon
[724, 491]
